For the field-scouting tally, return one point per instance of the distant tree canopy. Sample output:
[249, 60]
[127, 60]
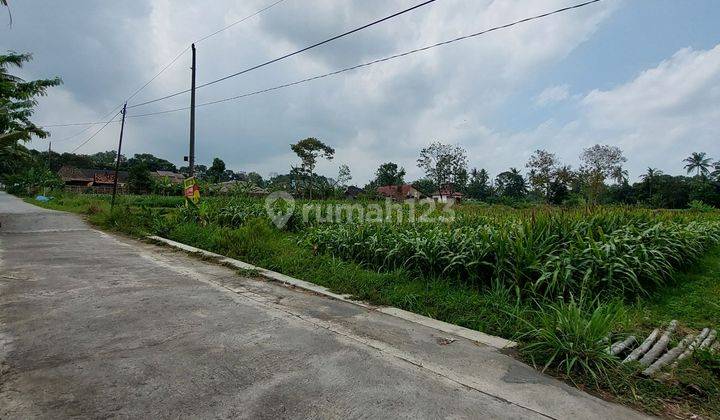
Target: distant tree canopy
[389, 174]
[152, 162]
[216, 171]
[444, 164]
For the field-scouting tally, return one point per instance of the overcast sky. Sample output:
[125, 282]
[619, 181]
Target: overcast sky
[643, 75]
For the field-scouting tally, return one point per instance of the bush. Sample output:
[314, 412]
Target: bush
[570, 337]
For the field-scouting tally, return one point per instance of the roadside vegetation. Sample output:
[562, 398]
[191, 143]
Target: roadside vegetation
[560, 281]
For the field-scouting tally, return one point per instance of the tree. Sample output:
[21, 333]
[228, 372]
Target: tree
[698, 162]
[18, 99]
[152, 162]
[255, 179]
[216, 171]
[650, 178]
[511, 184]
[425, 186]
[309, 150]
[444, 164]
[542, 165]
[479, 186]
[598, 163]
[139, 178]
[389, 174]
[343, 177]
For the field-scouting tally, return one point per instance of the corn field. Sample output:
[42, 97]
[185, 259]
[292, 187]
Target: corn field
[549, 253]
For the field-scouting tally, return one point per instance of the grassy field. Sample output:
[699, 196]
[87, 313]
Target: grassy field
[557, 280]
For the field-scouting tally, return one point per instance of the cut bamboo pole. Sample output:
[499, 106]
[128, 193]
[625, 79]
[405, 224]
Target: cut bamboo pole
[621, 346]
[691, 348]
[660, 346]
[709, 340]
[668, 357]
[645, 346]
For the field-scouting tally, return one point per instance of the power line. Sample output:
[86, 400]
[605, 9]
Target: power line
[238, 21]
[162, 70]
[96, 133]
[180, 54]
[370, 63]
[309, 47]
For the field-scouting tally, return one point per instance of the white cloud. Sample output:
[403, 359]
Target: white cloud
[657, 118]
[386, 112]
[552, 95]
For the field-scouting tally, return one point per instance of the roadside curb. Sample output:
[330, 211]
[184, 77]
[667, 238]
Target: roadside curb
[472, 335]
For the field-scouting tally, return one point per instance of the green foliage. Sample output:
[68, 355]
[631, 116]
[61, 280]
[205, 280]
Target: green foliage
[18, 99]
[216, 171]
[31, 181]
[699, 206]
[139, 178]
[389, 174]
[568, 336]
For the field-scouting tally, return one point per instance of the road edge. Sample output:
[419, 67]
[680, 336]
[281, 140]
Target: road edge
[472, 335]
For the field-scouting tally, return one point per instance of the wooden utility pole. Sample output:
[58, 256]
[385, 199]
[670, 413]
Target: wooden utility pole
[117, 162]
[191, 158]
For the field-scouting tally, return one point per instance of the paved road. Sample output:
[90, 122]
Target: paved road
[94, 325]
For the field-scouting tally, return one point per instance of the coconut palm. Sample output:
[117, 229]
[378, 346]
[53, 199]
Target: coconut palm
[650, 177]
[698, 162]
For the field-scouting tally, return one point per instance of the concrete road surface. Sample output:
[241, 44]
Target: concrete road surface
[96, 325]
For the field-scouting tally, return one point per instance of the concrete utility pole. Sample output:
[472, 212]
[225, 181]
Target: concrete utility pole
[191, 158]
[117, 162]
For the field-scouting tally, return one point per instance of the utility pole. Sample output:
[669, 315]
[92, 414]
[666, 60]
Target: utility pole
[192, 117]
[49, 150]
[117, 162]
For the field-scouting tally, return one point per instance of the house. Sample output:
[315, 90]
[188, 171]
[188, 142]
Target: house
[97, 181]
[447, 194]
[352, 192]
[398, 192]
[174, 177]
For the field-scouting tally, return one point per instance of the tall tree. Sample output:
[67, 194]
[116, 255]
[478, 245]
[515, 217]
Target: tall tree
[599, 163]
[542, 165]
[389, 174]
[216, 171]
[479, 185]
[18, 100]
[698, 162]
[650, 178]
[309, 150]
[511, 184]
[445, 164]
[343, 177]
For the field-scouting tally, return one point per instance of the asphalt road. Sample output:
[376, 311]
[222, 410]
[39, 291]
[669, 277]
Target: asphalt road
[96, 325]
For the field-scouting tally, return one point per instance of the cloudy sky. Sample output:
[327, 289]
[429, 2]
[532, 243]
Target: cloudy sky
[640, 74]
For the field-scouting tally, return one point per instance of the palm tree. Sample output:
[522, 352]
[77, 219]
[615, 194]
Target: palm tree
[698, 162]
[650, 177]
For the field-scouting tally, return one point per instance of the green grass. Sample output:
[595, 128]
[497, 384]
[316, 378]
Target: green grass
[651, 266]
[694, 297]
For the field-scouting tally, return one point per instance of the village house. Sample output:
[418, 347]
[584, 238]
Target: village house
[447, 194]
[96, 181]
[398, 192]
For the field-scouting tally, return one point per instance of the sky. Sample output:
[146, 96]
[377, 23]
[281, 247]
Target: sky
[643, 75]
